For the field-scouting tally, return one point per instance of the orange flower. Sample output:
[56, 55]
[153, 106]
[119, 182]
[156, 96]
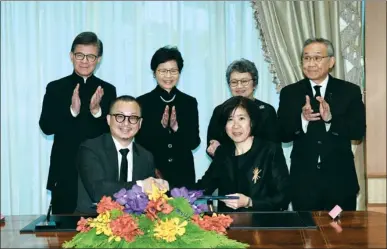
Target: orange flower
[217, 223]
[107, 204]
[154, 207]
[83, 225]
[125, 227]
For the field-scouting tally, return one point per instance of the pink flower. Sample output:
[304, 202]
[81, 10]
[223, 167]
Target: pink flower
[82, 225]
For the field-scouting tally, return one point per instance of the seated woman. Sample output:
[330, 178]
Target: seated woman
[246, 166]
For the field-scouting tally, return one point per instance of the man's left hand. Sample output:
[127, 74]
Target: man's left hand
[325, 111]
[96, 100]
[243, 201]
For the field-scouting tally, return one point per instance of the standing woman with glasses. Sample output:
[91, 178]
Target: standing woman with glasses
[74, 109]
[170, 128]
[242, 78]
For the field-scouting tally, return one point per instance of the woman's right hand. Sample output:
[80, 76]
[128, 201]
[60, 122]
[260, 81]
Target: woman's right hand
[165, 118]
[214, 144]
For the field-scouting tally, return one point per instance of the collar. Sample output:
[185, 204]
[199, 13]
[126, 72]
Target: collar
[164, 94]
[323, 84]
[78, 78]
[119, 146]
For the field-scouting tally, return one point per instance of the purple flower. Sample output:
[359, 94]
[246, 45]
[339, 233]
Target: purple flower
[193, 195]
[133, 200]
[199, 208]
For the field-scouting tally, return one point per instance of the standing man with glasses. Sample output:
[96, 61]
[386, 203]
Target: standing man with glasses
[242, 78]
[74, 109]
[321, 115]
[110, 162]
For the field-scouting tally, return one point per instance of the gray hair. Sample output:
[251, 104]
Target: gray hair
[242, 66]
[328, 43]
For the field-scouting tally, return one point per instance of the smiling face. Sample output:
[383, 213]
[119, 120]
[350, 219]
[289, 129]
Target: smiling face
[124, 131]
[314, 70]
[241, 84]
[85, 67]
[167, 75]
[238, 126]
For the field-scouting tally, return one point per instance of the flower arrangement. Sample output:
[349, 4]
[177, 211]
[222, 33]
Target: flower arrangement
[152, 220]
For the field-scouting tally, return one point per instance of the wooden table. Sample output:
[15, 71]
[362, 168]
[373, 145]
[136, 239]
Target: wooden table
[359, 230]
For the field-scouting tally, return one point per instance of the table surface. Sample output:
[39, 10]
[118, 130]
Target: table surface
[360, 229]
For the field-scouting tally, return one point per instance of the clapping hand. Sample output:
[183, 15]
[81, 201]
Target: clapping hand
[325, 110]
[75, 100]
[307, 111]
[173, 124]
[96, 100]
[214, 144]
[165, 118]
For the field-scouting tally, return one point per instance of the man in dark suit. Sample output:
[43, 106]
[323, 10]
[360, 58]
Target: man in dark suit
[321, 115]
[74, 109]
[242, 78]
[113, 161]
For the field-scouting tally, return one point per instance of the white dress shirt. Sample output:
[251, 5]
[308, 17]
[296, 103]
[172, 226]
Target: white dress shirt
[129, 157]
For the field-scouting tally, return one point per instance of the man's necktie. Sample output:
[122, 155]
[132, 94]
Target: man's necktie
[318, 92]
[124, 165]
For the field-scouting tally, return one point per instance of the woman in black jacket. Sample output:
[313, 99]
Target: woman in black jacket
[248, 167]
[170, 127]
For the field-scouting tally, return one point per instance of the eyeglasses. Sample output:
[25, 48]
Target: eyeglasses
[89, 57]
[120, 118]
[173, 71]
[244, 82]
[313, 58]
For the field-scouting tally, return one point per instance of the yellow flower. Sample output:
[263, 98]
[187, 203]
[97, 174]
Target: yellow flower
[157, 193]
[101, 224]
[168, 229]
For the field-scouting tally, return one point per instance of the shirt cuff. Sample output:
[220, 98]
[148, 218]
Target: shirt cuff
[98, 114]
[327, 126]
[73, 113]
[304, 123]
[139, 183]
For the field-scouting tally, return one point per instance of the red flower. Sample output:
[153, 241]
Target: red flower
[82, 225]
[217, 223]
[126, 227]
[154, 207]
[107, 204]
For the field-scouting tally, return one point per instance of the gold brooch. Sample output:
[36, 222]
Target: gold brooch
[256, 175]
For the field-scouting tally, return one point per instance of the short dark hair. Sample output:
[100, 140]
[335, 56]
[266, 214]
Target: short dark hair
[229, 106]
[165, 54]
[88, 38]
[124, 98]
[242, 66]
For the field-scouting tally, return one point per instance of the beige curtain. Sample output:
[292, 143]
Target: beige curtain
[285, 25]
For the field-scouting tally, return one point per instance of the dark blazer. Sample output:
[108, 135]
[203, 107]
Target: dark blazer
[69, 132]
[268, 193]
[97, 163]
[336, 174]
[267, 128]
[172, 151]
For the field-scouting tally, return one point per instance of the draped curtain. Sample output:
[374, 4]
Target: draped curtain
[285, 25]
[35, 43]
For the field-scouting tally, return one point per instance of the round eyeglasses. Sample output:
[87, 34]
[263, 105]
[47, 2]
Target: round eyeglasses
[120, 118]
[90, 57]
[307, 59]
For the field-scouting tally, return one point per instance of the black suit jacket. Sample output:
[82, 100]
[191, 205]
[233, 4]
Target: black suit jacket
[268, 193]
[97, 163]
[172, 150]
[267, 128]
[336, 174]
[69, 132]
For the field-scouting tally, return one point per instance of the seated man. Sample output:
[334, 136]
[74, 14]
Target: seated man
[113, 161]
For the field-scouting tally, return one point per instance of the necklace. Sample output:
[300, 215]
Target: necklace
[168, 101]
